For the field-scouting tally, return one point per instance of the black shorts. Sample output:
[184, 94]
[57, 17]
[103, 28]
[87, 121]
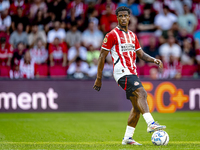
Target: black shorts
[129, 83]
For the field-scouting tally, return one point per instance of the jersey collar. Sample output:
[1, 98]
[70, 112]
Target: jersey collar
[121, 30]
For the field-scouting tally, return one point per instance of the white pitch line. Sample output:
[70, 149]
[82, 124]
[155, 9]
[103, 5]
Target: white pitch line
[90, 143]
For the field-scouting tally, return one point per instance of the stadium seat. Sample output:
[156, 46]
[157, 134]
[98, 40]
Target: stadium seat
[188, 70]
[4, 71]
[146, 69]
[58, 71]
[144, 38]
[42, 70]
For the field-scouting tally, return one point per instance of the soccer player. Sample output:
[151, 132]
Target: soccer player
[124, 46]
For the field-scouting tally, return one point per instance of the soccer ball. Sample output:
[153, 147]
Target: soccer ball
[160, 138]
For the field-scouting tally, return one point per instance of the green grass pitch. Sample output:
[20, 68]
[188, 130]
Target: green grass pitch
[93, 130]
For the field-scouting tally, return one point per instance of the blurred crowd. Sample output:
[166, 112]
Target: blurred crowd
[62, 38]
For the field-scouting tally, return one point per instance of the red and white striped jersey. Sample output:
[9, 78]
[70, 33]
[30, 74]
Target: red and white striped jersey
[122, 46]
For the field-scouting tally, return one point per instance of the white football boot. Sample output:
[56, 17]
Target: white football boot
[155, 127]
[130, 141]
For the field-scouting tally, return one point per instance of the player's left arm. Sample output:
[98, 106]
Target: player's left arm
[144, 56]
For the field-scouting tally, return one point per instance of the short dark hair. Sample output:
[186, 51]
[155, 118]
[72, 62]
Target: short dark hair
[166, 7]
[122, 8]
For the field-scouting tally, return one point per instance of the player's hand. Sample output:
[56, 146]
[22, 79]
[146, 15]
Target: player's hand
[97, 84]
[159, 63]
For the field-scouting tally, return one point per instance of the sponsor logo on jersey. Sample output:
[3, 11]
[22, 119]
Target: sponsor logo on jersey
[127, 47]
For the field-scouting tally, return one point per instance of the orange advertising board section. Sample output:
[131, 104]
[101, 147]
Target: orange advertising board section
[67, 95]
[176, 99]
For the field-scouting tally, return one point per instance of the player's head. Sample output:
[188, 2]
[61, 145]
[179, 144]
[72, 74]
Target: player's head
[123, 16]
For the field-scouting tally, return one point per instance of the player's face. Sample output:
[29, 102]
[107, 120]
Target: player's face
[123, 18]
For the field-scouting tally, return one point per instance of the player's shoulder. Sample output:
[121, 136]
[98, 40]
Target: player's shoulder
[110, 36]
[132, 33]
[111, 33]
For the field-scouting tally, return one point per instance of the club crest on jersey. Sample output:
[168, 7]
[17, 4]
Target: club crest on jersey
[136, 83]
[105, 40]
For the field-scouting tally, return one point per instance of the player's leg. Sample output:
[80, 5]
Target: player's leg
[132, 122]
[142, 105]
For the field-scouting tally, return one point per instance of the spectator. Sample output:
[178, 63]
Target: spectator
[133, 23]
[93, 16]
[146, 25]
[58, 53]
[175, 30]
[146, 21]
[152, 49]
[92, 36]
[6, 52]
[188, 3]
[37, 5]
[108, 20]
[77, 51]
[175, 6]
[92, 54]
[5, 20]
[39, 19]
[16, 19]
[184, 35]
[171, 69]
[165, 20]
[38, 53]
[78, 69]
[170, 49]
[153, 73]
[188, 21]
[36, 34]
[76, 12]
[4, 4]
[56, 32]
[73, 35]
[188, 54]
[196, 11]
[18, 54]
[19, 3]
[27, 66]
[110, 4]
[18, 36]
[134, 7]
[58, 8]
[14, 72]
[158, 6]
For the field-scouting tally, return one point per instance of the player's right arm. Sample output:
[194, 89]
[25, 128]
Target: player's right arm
[101, 61]
[108, 43]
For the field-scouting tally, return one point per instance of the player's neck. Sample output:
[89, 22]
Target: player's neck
[124, 28]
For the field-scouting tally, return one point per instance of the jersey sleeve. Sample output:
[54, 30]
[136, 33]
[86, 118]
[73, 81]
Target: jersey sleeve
[137, 44]
[108, 42]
